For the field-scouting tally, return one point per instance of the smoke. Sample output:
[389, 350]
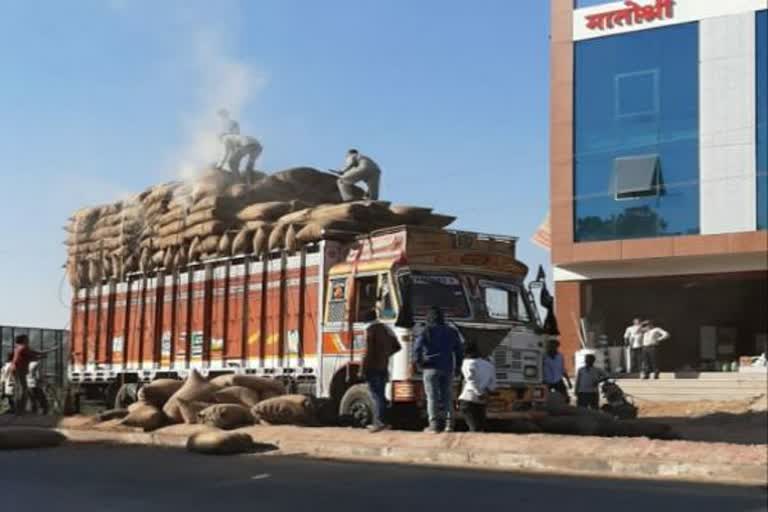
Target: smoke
[223, 81]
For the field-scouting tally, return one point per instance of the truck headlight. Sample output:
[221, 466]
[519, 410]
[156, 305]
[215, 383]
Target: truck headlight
[531, 371]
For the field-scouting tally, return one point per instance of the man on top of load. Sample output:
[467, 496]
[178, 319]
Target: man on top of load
[359, 168]
[236, 146]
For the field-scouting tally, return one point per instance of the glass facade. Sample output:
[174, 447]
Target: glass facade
[761, 53]
[636, 99]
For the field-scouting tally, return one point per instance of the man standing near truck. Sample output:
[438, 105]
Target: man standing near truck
[439, 353]
[22, 356]
[554, 370]
[380, 344]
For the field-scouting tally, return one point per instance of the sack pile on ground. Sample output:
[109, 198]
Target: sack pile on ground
[222, 214]
[225, 402]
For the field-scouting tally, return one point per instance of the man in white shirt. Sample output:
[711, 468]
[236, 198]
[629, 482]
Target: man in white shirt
[35, 385]
[479, 380]
[633, 340]
[554, 370]
[652, 336]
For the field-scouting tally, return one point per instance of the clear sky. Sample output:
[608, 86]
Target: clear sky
[100, 99]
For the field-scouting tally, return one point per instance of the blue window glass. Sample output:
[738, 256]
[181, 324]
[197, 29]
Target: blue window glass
[761, 52]
[637, 122]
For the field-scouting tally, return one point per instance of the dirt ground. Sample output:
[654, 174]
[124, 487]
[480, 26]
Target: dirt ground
[737, 421]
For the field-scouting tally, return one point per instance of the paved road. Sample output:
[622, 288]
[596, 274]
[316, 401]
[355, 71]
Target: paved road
[106, 479]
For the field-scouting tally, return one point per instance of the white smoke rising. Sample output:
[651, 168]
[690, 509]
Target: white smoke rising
[225, 81]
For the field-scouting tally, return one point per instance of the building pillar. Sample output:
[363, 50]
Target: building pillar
[568, 309]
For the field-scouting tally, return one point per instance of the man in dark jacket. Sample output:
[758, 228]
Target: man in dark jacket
[381, 343]
[439, 353]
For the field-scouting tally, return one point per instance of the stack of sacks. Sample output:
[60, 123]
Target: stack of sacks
[218, 215]
[224, 402]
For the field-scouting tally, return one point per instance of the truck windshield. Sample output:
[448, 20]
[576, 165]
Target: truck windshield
[441, 289]
[504, 301]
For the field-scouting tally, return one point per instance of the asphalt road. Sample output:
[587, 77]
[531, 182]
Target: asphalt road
[136, 479]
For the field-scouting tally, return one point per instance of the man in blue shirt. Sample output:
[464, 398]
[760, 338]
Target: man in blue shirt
[554, 370]
[438, 352]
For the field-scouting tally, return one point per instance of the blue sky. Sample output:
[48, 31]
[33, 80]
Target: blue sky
[100, 99]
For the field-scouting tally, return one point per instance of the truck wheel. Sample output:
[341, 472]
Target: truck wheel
[126, 395]
[356, 408]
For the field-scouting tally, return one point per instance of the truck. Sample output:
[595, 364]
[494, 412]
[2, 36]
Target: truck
[298, 317]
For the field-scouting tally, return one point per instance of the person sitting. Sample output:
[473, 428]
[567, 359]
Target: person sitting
[479, 379]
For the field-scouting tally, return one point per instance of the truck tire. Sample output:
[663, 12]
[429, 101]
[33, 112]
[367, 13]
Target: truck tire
[356, 407]
[126, 395]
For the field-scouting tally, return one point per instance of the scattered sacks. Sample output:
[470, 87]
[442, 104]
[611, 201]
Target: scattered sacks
[220, 443]
[195, 388]
[159, 391]
[20, 438]
[112, 414]
[239, 395]
[190, 410]
[225, 416]
[285, 410]
[259, 384]
[145, 416]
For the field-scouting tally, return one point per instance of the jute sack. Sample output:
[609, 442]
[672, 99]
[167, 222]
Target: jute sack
[172, 228]
[170, 256]
[158, 257]
[311, 184]
[159, 391]
[253, 225]
[226, 416]
[270, 211]
[410, 214]
[261, 240]
[285, 410]
[193, 252]
[135, 406]
[112, 414]
[291, 243]
[239, 395]
[243, 242]
[195, 388]
[225, 245]
[191, 410]
[220, 443]
[258, 384]
[437, 220]
[204, 229]
[271, 189]
[316, 230]
[277, 237]
[18, 438]
[221, 205]
[146, 416]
